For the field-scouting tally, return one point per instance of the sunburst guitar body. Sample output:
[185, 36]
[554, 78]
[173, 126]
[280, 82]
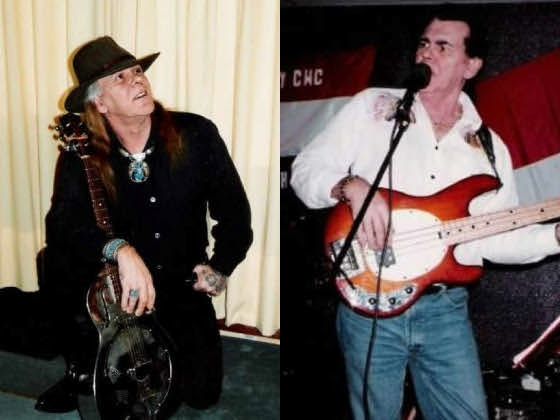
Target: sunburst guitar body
[426, 230]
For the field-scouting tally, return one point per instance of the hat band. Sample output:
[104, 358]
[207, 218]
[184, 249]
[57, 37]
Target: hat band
[110, 64]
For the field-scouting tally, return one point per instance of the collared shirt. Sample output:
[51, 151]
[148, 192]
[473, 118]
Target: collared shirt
[357, 140]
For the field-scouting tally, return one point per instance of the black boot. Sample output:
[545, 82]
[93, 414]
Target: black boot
[62, 397]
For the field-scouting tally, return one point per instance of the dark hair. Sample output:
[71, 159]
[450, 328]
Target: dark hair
[475, 43]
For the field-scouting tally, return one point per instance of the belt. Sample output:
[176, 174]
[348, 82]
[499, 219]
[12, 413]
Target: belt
[439, 287]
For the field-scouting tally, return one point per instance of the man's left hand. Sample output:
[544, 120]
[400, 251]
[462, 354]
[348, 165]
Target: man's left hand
[209, 280]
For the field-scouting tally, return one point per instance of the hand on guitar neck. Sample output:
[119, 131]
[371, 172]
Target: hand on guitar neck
[353, 190]
[134, 275]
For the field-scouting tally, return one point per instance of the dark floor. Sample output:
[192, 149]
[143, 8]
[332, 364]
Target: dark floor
[30, 362]
[251, 385]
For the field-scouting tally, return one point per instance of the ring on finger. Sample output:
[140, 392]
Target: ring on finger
[133, 294]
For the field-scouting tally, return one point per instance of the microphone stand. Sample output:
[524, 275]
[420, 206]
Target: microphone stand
[402, 121]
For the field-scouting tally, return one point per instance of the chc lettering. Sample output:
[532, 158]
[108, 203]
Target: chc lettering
[304, 77]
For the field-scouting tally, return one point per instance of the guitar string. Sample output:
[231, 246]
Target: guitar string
[132, 334]
[101, 215]
[134, 337]
[135, 334]
[429, 237]
[96, 190]
[131, 340]
[552, 206]
[138, 348]
[436, 241]
[420, 245]
[436, 233]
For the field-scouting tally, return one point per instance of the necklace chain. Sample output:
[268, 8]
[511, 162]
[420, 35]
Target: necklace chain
[448, 124]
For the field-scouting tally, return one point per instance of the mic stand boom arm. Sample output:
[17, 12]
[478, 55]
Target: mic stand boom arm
[402, 121]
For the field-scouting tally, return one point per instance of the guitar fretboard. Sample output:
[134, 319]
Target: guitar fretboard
[475, 227]
[98, 198]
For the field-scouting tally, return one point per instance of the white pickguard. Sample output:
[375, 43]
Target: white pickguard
[413, 256]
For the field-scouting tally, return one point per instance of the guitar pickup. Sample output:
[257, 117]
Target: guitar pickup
[353, 262]
[388, 258]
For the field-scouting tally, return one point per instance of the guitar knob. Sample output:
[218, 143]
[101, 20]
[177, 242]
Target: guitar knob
[408, 290]
[392, 301]
[372, 301]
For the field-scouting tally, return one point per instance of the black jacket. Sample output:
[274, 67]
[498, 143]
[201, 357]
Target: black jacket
[164, 218]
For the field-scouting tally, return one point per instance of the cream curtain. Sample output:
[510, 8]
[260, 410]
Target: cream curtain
[219, 58]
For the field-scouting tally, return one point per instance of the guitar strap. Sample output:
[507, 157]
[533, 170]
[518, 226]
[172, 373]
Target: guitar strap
[485, 138]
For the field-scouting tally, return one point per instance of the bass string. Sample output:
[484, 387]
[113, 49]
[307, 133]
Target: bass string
[530, 214]
[417, 240]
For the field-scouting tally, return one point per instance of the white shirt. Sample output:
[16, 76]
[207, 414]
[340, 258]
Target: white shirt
[357, 139]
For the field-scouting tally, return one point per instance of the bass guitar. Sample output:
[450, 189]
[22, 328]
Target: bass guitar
[134, 369]
[426, 231]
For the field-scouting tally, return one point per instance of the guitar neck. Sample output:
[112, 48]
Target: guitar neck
[475, 227]
[98, 198]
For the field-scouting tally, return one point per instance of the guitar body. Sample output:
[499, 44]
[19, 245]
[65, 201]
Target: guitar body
[419, 257]
[134, 369]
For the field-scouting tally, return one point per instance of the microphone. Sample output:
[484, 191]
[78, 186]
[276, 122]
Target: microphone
[418, 79]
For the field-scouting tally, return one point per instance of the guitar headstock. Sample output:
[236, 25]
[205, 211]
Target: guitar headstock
[72, 132]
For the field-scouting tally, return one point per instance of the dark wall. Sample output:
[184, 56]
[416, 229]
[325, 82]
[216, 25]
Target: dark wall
[512, 304]
[516, 33]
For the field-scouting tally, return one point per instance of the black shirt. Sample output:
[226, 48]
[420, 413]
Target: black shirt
[164, 218]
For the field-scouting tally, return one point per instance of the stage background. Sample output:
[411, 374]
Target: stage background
[518, 94]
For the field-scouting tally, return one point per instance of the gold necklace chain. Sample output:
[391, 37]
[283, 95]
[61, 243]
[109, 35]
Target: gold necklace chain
[449, 124]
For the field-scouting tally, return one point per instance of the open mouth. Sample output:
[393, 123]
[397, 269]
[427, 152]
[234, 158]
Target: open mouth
[141, 95]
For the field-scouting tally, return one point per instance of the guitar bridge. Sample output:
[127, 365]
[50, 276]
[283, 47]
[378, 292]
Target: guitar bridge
[388, 258]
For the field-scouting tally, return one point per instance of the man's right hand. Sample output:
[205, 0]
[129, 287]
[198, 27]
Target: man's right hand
[134, 275]
[373, 228]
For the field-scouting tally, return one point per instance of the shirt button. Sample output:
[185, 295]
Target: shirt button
[152, 200]
[437, 147]
[157, 235]
[432, 176]
[159, 267]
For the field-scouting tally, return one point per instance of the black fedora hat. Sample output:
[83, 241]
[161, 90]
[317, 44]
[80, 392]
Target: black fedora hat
[96, 59]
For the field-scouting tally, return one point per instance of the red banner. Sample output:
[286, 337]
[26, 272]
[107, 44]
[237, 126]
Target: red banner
[523, 106]
[320, 76]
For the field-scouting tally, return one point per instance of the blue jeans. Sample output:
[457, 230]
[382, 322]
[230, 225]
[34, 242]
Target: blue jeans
[434, 338]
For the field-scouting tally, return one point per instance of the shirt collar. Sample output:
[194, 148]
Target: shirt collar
[470, 120]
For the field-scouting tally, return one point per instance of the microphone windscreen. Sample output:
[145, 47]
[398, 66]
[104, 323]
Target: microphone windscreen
[419, 77]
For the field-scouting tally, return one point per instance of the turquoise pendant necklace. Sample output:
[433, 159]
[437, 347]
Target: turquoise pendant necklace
[138, 169]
